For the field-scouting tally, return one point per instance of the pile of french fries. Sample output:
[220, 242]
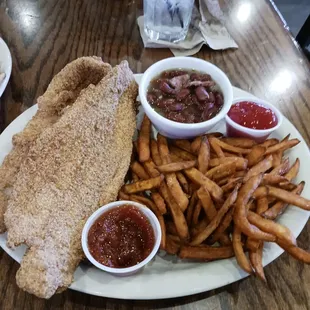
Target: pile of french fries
[217, 197]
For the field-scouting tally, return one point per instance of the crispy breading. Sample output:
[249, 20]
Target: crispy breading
[73, 167]
[61, 93]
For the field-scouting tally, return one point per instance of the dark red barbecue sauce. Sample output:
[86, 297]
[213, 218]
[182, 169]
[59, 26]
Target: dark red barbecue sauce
[252, 115]
[121, 237]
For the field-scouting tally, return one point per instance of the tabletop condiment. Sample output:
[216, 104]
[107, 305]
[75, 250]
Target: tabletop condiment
[121, 237]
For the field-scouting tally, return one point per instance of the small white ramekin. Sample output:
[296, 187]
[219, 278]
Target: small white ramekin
[259, 135]
[174, 129]
[129, 270]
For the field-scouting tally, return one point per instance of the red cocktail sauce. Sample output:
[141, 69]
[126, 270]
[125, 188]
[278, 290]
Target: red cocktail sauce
[252, 115]
[121, 237]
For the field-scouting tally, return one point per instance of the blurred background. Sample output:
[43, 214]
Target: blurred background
[296, 14]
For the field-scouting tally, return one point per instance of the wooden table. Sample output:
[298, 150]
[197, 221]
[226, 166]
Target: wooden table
[44, 36]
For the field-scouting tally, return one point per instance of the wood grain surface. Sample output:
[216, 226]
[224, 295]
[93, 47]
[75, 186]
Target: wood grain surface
[44, 36]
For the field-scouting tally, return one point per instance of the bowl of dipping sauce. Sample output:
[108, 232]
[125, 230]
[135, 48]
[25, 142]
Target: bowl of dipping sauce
[185, 96]
[252, 118]
[121, 237]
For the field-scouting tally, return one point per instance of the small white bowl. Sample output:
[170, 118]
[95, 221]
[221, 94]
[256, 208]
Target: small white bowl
[129, 270]
[259, 135]
[5, 64]
[174, 129]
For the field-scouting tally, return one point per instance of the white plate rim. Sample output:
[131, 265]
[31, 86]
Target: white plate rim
[5, 64]
[177, 283]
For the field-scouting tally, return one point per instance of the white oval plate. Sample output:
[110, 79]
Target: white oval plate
[5, 64]
[166, 276]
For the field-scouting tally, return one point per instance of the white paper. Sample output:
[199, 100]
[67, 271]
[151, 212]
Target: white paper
[206, 27]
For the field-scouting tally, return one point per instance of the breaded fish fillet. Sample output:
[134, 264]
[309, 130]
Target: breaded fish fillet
[62, 92]
[73, 167]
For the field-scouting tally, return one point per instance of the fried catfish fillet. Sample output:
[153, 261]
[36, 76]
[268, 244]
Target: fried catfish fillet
[62, 92]
[73, 167]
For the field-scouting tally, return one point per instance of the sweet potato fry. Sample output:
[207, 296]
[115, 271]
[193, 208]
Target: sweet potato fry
[177, 214]
[195, 145]
[262, 205]
[282, 146]
[173, 167]
[163, 149]
[281, 232]
[240, 214]
[171, 179]
[175, 159]
[190, 209]
[210, 211]
[155, 153]
[287, 186]
[206, 253]
[216, 148]
[171, 229]
[245, 143]
[231, 184]
[228, 154]
[175, 238]
[256, 155]
[221, 171]
[277, 158]
[224, 181]
[196, 213]
[269, 142]
[231, 148]
[252, 244]
[198, 178]
[144, 140]
[159, 202]
[260, 167]
[239, 174]
[135, 178]
[204, 156]
[293, 171]
[201, 225]
[296, 252]
[183, 182]
[138, 169]
[241, 163]
[183, 144]
[143, 185]
[222, 226]
[123, 196]
[215, 221]
[176, 191]
[172, 247]
[238, 250]
[214, 134]
[182, 154]
[260, 192]
[289, 197]
[147, 202]
[150, 168]
[282, 168]
[273, 179]
[256, 262]
[207, 203]
[279, 207]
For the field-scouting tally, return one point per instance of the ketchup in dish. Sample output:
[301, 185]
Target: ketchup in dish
[121, 237]
[252, 115]
[185, 96]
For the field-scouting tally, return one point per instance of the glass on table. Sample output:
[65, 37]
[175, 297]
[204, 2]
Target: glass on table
[167, 20]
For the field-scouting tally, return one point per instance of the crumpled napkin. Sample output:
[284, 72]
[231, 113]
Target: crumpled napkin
[206, 27]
